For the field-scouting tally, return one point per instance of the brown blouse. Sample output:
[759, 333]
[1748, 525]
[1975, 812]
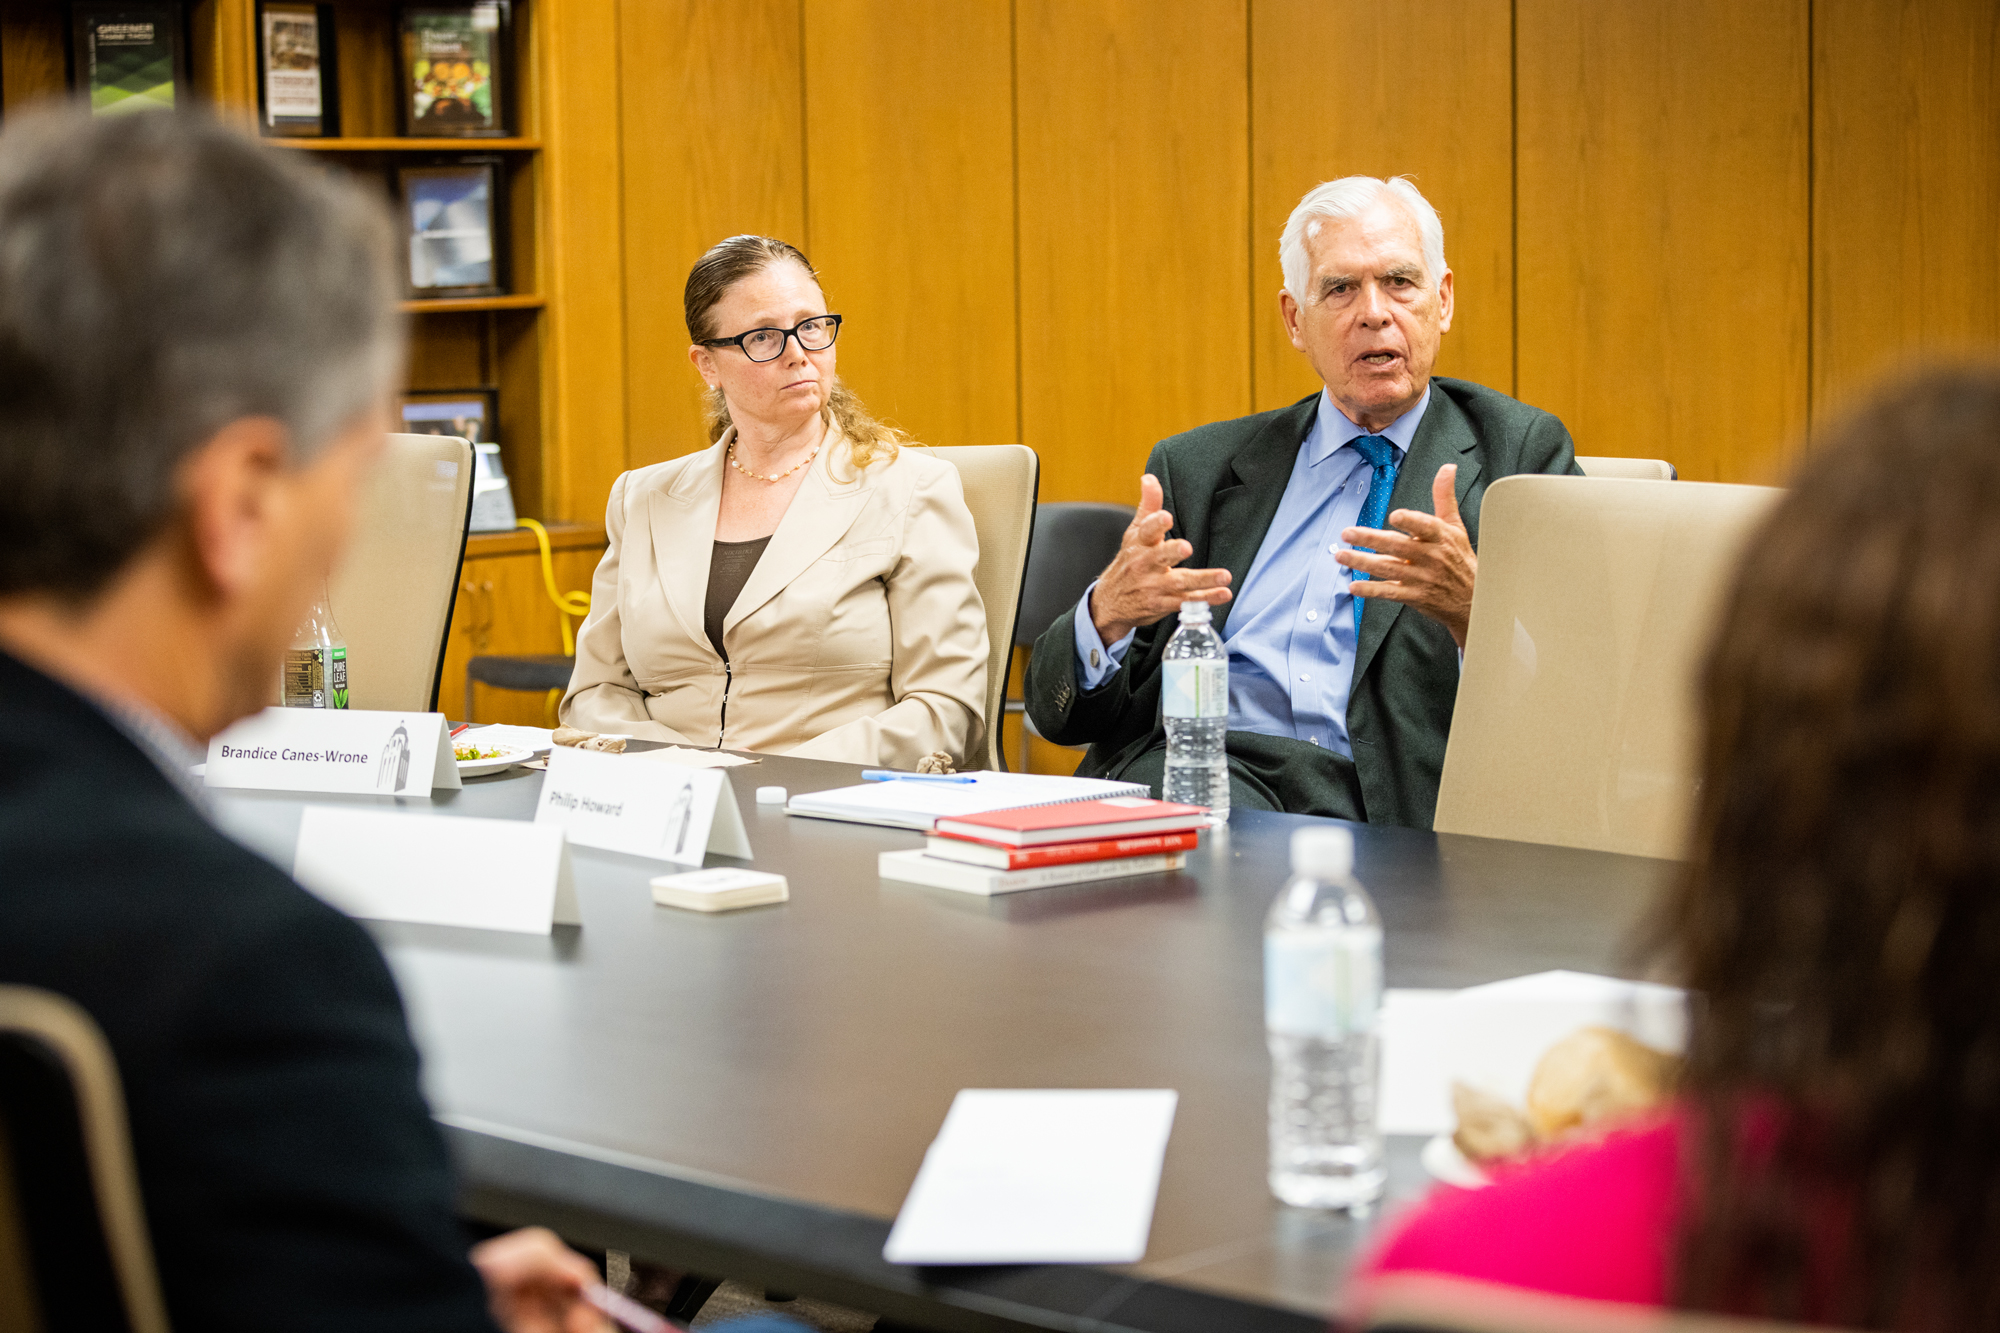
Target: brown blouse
[729, 566]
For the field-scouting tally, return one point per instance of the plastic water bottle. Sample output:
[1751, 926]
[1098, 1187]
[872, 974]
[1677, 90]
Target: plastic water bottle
[1195, 702]
[315, 670]
[1322, 991]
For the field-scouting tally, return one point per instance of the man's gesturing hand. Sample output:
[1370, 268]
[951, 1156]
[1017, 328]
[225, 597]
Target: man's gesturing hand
[1428, 562]
[1141, 584]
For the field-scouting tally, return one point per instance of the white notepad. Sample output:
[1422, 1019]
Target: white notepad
[1022, 1176]
[918, 805]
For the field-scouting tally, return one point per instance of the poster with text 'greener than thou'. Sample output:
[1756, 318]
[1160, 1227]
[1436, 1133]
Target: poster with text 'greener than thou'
[129, 56]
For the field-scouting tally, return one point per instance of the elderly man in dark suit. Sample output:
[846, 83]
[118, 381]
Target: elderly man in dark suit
[1349, 521]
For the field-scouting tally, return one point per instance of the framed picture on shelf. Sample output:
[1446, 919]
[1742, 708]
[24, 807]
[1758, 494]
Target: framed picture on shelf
[454, 67]
[298, 81]
[468, 414]
[452, 217]
[130, 55]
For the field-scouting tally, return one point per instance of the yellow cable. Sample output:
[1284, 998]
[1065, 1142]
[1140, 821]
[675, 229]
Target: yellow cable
[567, 603]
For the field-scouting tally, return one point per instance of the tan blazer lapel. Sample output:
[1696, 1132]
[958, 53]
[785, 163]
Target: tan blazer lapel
[818, 517]
[682, 519]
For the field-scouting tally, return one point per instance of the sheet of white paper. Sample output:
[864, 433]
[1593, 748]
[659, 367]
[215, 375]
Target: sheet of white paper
[391, 865]
[539, 739]
[1492, 1036]
[689, 758]
[1019, 1176]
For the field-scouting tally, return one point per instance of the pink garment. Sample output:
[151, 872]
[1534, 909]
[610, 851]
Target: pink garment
[1595, 1222]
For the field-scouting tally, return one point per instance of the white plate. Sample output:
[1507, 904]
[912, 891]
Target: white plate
[479, 768]
[1443, 1160]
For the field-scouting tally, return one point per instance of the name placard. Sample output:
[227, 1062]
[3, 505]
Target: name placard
[335, 749]
[386, 865]
[621, 804]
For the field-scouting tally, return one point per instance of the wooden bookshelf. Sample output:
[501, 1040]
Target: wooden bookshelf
[389, 145]
[553, 349]
[442, 305]
[494, 342]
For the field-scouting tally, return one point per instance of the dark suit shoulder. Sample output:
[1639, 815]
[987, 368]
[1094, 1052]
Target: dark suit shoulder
[1520, 436]
[1487, 405]
[1218, 440]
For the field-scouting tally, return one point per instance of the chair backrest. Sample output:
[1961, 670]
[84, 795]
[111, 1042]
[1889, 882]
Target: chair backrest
[1425, 1303]
[1074, 541]
[1575, 716]
[1632, 469]
[1000, 482]
[393, 593]
[74, 1249]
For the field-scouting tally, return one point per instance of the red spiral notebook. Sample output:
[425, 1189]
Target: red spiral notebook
[1111, 817]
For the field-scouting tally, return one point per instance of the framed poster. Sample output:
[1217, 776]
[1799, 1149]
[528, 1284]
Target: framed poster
[129, 56]
[454, 68]
[468, 414]
[452, 218]
[298, 80]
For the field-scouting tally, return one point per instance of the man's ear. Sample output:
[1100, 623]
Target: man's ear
[1444, 302]
[1288, 308]
[231, 495]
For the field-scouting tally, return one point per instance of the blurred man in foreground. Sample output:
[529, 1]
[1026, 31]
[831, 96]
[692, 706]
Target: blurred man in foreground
[198, 341]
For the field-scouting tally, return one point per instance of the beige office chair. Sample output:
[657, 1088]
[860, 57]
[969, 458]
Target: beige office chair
[1426, 1303]
[62, 1109]
[1632, 469]
[1001, 482]
[393, 593]
[1574, 723]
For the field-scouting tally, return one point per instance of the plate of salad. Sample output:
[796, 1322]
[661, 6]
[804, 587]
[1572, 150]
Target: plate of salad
[476, 760]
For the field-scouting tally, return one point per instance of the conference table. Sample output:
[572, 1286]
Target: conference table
[749, 1094]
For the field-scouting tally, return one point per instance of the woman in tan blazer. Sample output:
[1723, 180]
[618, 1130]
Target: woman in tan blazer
[804, 585]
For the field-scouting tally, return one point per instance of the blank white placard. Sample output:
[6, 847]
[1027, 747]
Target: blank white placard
[1020, 1176]
[391, 865]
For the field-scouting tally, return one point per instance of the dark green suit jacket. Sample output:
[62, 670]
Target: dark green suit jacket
[1223, 483]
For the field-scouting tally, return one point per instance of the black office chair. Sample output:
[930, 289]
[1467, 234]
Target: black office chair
[540, 673]
[1073, 542]
[74, 1251]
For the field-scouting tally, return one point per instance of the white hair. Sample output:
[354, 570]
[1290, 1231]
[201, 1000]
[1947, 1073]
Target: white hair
[1349, 197]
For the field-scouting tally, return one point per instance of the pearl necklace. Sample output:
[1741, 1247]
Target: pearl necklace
[760, 476]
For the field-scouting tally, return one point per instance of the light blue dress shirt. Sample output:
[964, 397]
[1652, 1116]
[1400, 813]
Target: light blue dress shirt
[1291, 636]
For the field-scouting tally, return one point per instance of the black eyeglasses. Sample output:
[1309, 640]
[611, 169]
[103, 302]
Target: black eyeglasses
[814, 335]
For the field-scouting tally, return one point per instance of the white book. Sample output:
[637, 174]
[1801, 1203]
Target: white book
[916, 803]
[923, 868]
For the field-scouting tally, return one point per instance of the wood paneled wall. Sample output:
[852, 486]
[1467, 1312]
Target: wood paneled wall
[1685, 226]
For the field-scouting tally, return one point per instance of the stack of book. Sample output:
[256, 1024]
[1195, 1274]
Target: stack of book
[1003, 851]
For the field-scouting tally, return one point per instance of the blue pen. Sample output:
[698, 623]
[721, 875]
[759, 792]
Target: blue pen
[889, 775]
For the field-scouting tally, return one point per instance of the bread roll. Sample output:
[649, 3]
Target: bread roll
[1489, 1128]
[1596, 1074]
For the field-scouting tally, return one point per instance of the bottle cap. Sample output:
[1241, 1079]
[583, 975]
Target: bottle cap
[1325, 852]
[1195, 611]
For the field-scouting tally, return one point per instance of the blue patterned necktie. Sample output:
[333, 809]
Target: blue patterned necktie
[1381, 456]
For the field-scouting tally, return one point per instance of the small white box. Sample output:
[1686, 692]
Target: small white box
[722, 889]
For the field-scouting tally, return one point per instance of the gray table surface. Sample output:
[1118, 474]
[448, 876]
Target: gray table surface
[751, 1093]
